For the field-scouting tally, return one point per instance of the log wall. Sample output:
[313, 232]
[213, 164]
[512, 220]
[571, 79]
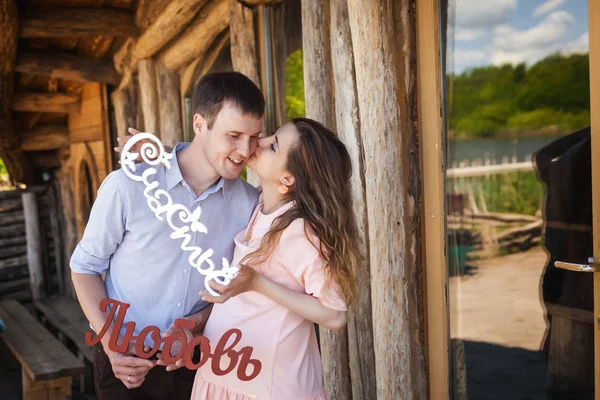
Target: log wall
[14, 270]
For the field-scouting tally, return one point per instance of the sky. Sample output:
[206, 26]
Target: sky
[497, 32]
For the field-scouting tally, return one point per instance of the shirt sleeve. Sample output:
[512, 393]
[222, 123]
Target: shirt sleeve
[314, 277]
[104, 230]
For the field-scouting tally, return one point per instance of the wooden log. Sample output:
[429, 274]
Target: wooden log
[67, 66]
[46, 102]
[45, 159]
[12, 230]
[14, 217]
[14, 286]
[13, 241]
[243, 42]
[82, 22]
[148, 10]
[13, 251]
[10, 205]
[149, 95]
[169, 105]
[200, 66]
[318, 89]
[360, 322]
[10, 144]
[383, 38]
[122, 58]
[8, 274]
[176, 16]
[279, 35]
[13, 262]
[46, 137]
[34, 245]
[195, 40]
[120, 99]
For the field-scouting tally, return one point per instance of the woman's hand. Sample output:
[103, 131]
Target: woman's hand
[245, 281]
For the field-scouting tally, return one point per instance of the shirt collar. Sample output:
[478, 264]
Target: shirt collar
[173, 176]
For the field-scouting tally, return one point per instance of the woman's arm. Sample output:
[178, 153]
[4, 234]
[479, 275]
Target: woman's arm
[304, 305]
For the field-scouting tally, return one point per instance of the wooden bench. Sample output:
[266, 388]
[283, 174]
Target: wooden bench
[65, 314]
[47, 366]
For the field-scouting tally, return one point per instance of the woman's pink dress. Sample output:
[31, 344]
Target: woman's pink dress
[283, 342]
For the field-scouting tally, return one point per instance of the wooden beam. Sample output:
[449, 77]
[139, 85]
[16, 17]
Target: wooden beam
[200, 66]
[169, 105]
[10, 144]
[360, 322]
[319, 93]
[383, 39]
[82, 22]
[149, 96]
[46, 102]
[174, 18]
[243, 42]
[148, 10]
[195, 40]
[46, 137]
[67, 66]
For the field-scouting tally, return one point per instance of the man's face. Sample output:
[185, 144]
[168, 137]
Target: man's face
[231, 140]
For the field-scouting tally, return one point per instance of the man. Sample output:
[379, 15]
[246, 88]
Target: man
[146, 268]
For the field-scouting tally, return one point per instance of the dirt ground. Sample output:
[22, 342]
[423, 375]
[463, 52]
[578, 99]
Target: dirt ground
[496, 310]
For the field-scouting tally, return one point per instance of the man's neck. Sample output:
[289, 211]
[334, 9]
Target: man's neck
[195, 168]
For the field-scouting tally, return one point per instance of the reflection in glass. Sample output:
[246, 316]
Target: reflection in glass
[518, 198]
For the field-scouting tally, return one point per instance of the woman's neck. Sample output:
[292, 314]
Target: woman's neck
[272, 200]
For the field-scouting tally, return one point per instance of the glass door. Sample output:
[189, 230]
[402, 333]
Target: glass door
[519, 188]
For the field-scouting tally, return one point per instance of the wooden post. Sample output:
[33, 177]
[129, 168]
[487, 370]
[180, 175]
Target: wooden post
[169, 105]
[244, 56]
[10, 144]
[34, 245]
[319, 94]
[149, 96]
[360, 323]
[243, 42]
[383, 38]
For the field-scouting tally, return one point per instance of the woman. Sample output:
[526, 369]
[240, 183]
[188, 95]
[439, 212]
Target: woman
[300, 249]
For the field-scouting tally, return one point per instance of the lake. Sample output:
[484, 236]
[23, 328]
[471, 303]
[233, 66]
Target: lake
[459, 150]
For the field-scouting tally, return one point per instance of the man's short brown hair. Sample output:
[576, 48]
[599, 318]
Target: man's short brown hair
[215, 89]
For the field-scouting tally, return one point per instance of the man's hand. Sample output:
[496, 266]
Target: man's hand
[131, 370]
[245, 281]
[176, 347]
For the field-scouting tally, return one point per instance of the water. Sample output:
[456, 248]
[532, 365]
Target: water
[459, 150]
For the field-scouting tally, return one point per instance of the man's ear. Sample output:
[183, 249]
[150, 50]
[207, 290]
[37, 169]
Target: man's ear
[199, 124]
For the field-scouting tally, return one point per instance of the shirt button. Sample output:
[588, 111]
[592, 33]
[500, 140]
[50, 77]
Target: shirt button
[179, 304]
[185, 270]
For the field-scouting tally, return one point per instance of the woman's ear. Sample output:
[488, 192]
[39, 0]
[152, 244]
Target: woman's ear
[288, 180]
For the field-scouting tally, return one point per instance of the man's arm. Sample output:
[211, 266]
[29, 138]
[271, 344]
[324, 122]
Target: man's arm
[103, 234]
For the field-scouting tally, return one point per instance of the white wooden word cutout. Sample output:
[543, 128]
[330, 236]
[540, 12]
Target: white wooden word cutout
[152, 152]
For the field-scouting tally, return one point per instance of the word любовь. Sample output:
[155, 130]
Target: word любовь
[187, 349]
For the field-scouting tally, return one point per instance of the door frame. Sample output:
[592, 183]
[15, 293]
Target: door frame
[431, 129]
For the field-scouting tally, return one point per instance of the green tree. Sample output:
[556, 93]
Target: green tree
[294, 86]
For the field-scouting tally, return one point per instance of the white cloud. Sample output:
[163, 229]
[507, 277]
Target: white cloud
[553, 28]
[514, 46]
[581, 45]
[466, 34]
[483, 14]
[547, 7]
[469, 57]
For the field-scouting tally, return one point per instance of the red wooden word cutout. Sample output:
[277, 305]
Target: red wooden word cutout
[187, 349]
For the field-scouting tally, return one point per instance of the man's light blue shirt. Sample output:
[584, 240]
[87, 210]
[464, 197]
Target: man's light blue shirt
[146, 268]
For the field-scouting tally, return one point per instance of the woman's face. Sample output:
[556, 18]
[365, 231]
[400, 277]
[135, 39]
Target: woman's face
[269, 161]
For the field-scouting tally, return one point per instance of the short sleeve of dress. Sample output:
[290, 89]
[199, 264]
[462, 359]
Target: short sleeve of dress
[314, 277]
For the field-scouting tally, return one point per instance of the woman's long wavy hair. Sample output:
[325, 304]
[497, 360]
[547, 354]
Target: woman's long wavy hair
[322, 193]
